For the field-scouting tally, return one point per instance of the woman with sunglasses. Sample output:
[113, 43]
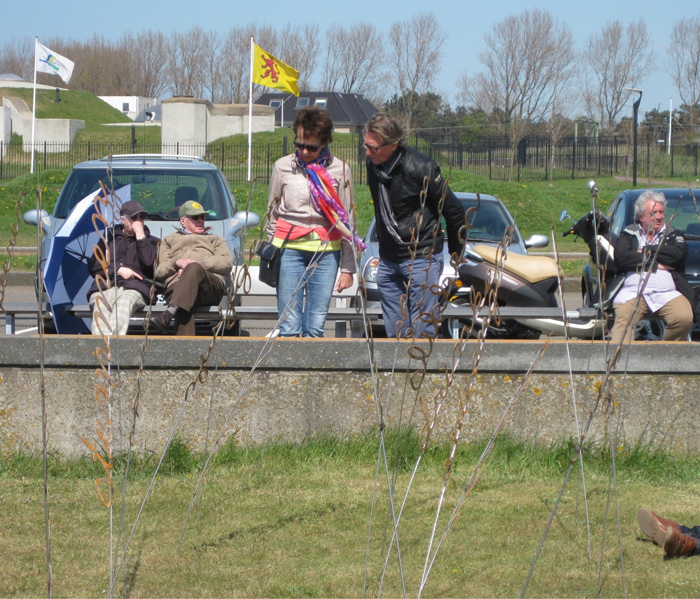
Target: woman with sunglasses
[309, 212]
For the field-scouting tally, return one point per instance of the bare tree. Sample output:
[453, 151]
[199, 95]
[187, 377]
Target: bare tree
[528, 64]
[148, 51]
[187, 60]
[684, 55]
[211, 67]
[415, 49]
[354, 59]
[618, 58]
[293, 48]
[17, 58]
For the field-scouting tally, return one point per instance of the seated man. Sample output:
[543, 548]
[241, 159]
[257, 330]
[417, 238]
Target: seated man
[132, 251]
[193, 264]
[676, 539]
[650, 248]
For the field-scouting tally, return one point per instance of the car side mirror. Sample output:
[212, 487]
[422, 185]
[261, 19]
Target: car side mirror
[33, 217]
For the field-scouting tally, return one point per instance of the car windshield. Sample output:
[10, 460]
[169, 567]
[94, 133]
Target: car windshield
[488, 221]
[682, 209]
[160, 192]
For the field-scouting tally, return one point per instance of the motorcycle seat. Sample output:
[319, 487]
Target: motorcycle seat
[533, 269]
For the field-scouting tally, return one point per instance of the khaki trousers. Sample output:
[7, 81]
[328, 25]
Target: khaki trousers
[677, 314]
[196, 287]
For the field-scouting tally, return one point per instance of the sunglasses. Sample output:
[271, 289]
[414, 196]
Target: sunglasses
[372, 149]
[308, 147]
[197, 216]
[139, 216]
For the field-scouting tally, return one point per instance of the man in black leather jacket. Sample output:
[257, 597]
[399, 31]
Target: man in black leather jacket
[410, 195]
[652, 255]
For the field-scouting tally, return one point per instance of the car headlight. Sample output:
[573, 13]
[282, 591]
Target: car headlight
[370, 271]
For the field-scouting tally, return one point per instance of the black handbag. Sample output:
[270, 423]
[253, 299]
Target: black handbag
[270, 258]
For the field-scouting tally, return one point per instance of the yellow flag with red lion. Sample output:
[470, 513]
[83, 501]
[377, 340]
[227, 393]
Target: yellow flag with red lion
[272, 72]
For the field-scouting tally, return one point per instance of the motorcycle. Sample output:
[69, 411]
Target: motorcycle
[510, 286]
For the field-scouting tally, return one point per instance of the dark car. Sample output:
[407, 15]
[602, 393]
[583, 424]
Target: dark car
[488, 225]
[681, 212]
[161, 183]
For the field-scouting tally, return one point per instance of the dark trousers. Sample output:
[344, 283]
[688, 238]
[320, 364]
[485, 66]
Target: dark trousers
[195, 287]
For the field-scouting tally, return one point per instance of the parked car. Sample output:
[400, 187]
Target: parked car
[682, 207]
[161, 183]
[488, 225]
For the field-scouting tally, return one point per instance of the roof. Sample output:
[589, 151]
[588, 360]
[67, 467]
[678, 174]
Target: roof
[345, 109]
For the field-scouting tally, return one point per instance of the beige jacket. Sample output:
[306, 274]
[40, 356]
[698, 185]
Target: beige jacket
[290, 199]
[210, 251]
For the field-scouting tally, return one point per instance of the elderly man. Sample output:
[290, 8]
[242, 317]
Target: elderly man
[410, 195]
[132, 252]
[652, 256]
[193, 264]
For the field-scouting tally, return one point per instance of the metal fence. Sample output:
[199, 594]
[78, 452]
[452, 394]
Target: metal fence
[534, 158]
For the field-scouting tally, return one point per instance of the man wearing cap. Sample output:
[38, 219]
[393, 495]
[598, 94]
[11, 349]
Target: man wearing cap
[132, 252]
[193, 264]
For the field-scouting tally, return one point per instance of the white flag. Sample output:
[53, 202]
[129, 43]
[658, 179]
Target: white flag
[48, 61]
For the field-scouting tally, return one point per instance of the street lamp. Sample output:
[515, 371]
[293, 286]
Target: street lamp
[635, 108]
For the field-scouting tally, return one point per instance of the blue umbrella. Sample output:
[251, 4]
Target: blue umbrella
[66, 275]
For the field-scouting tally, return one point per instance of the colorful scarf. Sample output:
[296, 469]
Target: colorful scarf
[324, 196]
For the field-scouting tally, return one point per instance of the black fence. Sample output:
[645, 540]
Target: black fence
[534, 158]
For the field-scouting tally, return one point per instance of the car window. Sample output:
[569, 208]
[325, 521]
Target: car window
[685, 216]
[617, 215]
[160, 192]
[488, 222]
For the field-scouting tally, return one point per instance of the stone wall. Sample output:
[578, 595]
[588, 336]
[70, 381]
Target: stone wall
[295, 388]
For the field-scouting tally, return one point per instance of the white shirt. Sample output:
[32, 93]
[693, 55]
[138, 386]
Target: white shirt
[659, 288]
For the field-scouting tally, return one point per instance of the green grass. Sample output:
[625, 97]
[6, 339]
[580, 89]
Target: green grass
[292, 521]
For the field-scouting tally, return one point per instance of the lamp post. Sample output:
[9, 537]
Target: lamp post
[635, 108]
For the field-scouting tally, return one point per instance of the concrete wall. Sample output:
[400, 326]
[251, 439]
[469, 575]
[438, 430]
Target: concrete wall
[194, 121]
[295, 388]
[51, 131]
[5, 127]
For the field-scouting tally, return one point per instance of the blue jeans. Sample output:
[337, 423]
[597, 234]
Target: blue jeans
[304, 291]
[416, 312]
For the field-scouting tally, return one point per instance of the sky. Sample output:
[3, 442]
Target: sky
[464, 23]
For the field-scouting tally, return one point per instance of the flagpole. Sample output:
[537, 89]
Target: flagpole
[250, 110]
[31, 166]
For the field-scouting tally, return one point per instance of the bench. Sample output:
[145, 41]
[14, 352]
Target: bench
[12, 310]
[338, 312]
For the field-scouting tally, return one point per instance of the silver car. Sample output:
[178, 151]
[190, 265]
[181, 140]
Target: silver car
[488, 224]
[161, 183]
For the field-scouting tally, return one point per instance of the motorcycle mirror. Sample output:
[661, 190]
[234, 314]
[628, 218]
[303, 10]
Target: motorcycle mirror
[592, 187]
[564, 214]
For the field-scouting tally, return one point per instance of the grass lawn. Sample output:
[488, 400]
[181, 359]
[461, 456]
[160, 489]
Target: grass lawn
[282, 521]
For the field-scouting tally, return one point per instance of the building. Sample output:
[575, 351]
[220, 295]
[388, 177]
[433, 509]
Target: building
[131, 106]
[349, 112]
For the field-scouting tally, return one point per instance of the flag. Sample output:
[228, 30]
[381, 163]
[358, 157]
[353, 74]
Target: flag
[272, 72]
[48, 61]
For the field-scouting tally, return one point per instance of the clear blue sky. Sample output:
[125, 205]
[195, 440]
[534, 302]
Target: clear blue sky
[463, 21]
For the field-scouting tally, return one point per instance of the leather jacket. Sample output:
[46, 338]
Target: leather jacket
[406, 175]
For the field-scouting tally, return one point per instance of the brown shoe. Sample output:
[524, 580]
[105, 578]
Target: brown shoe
[677, 544]
[655, 526]
[161, 322]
